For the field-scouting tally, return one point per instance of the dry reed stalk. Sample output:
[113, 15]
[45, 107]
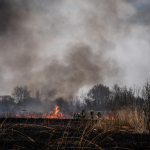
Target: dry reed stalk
[126, 117]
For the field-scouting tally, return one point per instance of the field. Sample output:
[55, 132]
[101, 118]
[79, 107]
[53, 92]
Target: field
[122, 130]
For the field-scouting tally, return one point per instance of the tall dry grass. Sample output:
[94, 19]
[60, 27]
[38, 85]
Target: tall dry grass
[135, 121]
[124, 120]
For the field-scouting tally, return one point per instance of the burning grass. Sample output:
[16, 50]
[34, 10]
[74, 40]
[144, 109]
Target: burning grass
[55, 114]
[125, 129]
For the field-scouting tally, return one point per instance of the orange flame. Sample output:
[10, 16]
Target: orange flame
[53, 114]
[107, 118]
[27, 115]
[18, 115]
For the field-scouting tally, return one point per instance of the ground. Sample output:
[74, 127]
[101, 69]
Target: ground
[52, 134]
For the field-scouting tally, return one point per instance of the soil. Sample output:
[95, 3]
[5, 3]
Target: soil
[50, 134]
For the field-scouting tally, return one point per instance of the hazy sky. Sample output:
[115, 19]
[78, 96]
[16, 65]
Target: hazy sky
[63, 46]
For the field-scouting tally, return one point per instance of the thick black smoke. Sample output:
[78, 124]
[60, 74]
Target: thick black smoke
[81, 67]
[26, 25]
[18, 52]
[12, 15]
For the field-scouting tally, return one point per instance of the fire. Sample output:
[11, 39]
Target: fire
[27, 115]
[107, 118]
[18, 115]
[55, 114]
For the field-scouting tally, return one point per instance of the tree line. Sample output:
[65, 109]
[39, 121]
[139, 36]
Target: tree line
[99, 97]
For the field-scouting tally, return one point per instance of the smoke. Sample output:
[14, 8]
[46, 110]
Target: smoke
[81, 67]
[62, 46]
[11, 16]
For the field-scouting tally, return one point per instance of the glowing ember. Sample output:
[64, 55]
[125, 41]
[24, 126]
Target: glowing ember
[27, 115]
[18, 116]
[107, 118]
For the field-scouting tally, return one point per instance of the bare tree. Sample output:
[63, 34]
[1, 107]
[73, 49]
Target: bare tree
[99, 96]
[21, 94]
[146, 94]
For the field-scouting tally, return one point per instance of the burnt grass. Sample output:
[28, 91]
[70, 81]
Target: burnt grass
[53, 134]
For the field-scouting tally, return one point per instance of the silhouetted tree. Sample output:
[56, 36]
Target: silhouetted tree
[146, 94]
[21, 94]
[7, 102]
[88, 103]
[98, 96]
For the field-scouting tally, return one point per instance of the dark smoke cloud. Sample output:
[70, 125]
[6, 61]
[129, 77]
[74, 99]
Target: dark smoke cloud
[17, 52]
[26, 25]
[82, 67]
[12, 14]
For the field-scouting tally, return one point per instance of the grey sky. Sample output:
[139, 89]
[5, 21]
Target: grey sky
[41, 43]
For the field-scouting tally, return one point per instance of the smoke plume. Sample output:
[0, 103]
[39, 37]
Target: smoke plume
[62, 46]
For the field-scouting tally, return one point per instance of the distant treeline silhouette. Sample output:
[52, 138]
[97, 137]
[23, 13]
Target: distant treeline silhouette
[99, 97]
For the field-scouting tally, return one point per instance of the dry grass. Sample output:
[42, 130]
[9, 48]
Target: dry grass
[125, 120]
